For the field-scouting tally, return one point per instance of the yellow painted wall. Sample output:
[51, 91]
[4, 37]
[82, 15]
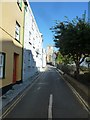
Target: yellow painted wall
[10, 14]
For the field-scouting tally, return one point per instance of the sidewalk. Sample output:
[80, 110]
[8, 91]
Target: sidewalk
[17, 88]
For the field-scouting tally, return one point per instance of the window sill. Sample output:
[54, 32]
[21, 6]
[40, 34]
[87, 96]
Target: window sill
[2, 78]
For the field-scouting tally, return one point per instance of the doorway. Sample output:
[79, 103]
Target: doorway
[15, 63]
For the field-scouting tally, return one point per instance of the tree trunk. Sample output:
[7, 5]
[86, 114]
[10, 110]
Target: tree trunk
[77, 62]
[77, 68]
[76, 73]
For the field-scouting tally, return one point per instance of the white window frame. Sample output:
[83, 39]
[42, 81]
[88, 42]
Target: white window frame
[2, 59]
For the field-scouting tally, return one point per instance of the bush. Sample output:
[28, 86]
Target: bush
[66, 69]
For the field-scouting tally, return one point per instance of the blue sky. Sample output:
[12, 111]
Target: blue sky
[46, 13]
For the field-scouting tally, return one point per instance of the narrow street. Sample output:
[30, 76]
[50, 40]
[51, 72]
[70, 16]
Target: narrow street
[48, 97]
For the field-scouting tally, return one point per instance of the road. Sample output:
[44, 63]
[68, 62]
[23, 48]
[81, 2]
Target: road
[48, 97]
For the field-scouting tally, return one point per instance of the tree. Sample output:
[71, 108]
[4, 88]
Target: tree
[88, 61]
[63, 59]
[59, 58]
[73, 39]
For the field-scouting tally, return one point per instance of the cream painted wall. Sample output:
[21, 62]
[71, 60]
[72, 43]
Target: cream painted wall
[10, 14]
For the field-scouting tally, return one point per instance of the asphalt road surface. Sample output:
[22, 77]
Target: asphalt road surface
[48, 97]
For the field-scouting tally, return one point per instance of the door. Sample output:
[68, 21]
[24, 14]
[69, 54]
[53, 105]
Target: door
[15, 68]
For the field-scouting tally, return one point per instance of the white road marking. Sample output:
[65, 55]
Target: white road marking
[50, 107]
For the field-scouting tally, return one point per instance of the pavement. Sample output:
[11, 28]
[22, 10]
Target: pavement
[16, 90]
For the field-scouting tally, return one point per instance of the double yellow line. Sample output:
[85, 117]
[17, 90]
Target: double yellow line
[9, 109]
[82, 101]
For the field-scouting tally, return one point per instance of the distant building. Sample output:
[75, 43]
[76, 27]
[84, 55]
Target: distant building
[50, 57]
[50, 52]
[53, 58]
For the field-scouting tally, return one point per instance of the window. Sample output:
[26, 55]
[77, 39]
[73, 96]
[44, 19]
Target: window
[30, 43]
[19, 2]
[17, 31]
[30, 38]
[2, 65]
[26, 8]
[29, 35]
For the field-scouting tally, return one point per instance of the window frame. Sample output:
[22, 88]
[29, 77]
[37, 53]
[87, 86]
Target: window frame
[2, 76]
[17, 31]
[30, 38]
[19, 2]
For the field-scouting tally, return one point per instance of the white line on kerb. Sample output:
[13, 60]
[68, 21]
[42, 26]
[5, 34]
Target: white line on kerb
[50, 107]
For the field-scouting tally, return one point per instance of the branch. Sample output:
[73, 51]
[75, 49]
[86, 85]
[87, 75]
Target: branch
[83, 58]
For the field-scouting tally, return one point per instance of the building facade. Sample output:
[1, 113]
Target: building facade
[51, 56]
[11, 41]
[32, 51]
[20, 44]
[44, 58]
[50, 52]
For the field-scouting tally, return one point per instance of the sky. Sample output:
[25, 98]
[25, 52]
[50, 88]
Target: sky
[46, 13]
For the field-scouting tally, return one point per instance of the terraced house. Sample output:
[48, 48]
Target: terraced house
[11, 43]
[20, 43]
[32, 52]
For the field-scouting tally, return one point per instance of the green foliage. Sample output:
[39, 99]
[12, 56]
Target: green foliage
[67, 59]
[73, 39]
[63, 59]
[59, 58]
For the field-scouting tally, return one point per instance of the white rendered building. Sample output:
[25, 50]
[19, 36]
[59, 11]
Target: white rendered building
[44, 58]
[32, 52]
